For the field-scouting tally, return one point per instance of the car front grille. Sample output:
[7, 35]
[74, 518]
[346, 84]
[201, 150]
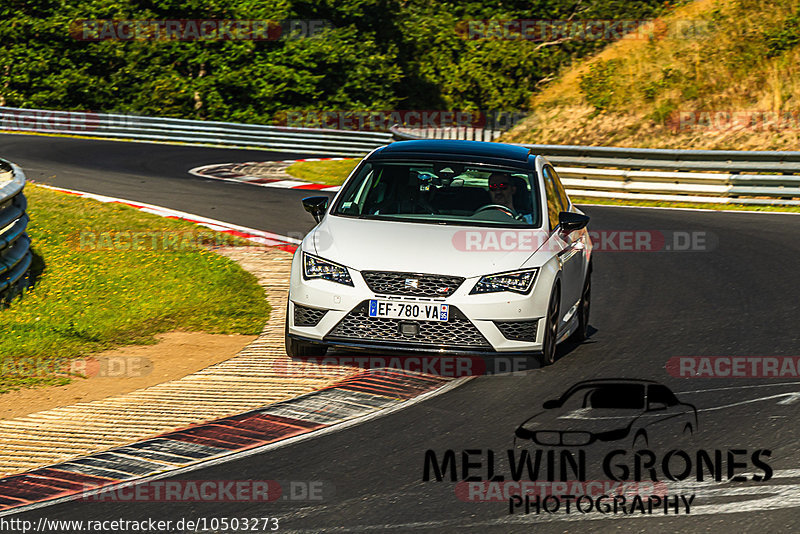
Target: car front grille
[412, 284]
[518, 330]
[358, 326]
[555, 438]
[307, 316]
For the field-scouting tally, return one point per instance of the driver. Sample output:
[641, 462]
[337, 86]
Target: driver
[502, 191]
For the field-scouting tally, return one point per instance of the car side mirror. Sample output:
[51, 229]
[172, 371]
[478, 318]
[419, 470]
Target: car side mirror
[569, 221]
[656, 407]
[552, 403]
[316, 206]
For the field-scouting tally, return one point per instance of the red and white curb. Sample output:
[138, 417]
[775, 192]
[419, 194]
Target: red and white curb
[225, 171]
[351, 401]
[261, 237]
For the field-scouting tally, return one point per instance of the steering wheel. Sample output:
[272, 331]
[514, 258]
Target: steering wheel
[504, 209]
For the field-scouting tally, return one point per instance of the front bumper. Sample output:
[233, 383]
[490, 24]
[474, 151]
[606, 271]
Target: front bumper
[381, 346]
[505, 322]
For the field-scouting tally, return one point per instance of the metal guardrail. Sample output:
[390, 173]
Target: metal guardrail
[15, 253]
[731, 161]
[649, 174]
[453, 132]
[671, 175]
[117, 126]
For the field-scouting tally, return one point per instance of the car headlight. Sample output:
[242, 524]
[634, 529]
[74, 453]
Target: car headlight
[514, 281]
[314, 267]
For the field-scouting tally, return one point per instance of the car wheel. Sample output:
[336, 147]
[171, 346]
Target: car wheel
[582, 333]
[301, 349]
[551, 330]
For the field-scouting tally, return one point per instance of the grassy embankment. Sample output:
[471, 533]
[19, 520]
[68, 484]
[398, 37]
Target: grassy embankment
[717, 75]
[99, 288]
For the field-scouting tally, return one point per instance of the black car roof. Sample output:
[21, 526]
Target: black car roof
[453, 150]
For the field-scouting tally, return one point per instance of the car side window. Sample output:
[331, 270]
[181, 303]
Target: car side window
[562, 194]
[553, 200]
[661, 394]
[364, 191]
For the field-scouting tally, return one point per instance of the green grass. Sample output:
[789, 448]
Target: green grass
[97, 290]
[332, 172]
[336, 173]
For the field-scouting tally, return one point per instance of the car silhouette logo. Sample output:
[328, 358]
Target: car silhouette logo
[609, 410]
[412, 282]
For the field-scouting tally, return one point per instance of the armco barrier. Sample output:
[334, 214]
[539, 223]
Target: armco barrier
[15, 254]
[117, 126]
[654, 174]
[717, 176]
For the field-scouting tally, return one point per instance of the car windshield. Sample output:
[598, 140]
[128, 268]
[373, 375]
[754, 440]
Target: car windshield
[606, 396]
[443, 193]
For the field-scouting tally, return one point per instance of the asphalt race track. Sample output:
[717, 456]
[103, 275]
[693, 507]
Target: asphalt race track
[738, 297]
[156, 174]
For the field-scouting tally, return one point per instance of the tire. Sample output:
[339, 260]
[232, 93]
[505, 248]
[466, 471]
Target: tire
[582, 333]
[301, 349]
[548, 355]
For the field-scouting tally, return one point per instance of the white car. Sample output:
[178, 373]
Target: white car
[443, 246]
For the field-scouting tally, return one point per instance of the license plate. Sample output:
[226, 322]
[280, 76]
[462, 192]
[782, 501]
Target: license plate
[417, 311]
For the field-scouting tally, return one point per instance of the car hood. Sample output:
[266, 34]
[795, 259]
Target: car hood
[412, 247]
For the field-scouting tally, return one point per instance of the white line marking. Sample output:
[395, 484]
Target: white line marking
[286, 184]
[739, 387]
[283, 184]
[791, 399]
[767, 497]
[792, 395]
